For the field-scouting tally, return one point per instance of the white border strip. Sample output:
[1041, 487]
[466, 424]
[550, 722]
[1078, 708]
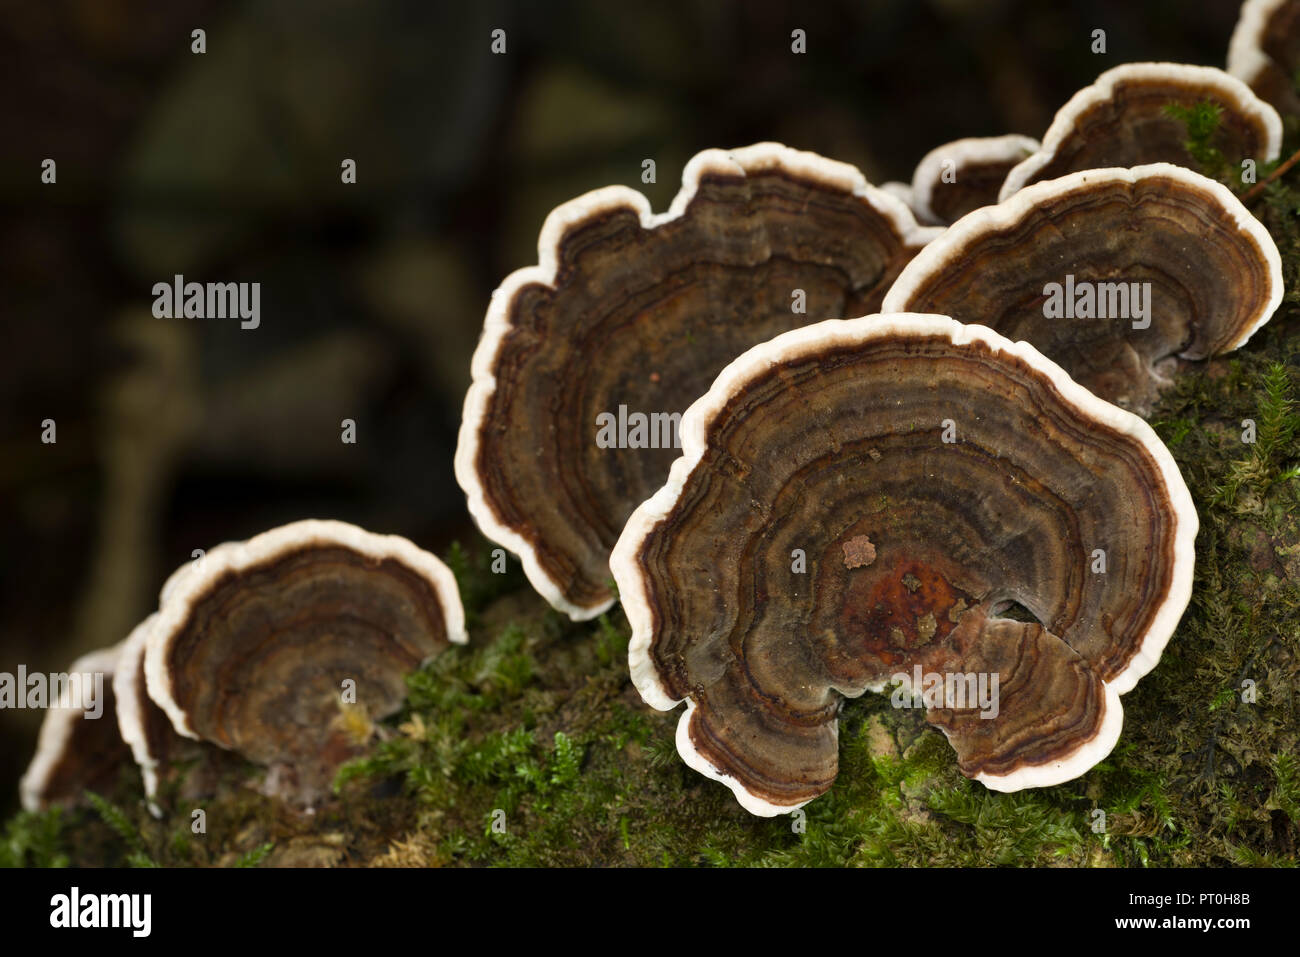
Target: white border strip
[132, 700]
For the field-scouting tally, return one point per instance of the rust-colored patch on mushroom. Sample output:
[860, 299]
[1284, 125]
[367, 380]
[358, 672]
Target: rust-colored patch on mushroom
[859, 552]
[955, 611]
[893, 614]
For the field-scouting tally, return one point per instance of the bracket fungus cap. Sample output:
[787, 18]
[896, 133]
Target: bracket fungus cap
[1120, 120]
[827, 439]
[1264, 51]
[76, 751]
[1208, 271]
[632, 310]
[251, 644]
[978, 165]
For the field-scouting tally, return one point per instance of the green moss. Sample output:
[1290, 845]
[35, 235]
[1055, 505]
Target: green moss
[479, 584]
[256, 856]
[1286, 790]
[1201, 121]
[35, 839]
[1268, 460]
[122, 826]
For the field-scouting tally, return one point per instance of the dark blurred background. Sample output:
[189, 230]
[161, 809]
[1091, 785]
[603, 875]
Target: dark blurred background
[180, 434]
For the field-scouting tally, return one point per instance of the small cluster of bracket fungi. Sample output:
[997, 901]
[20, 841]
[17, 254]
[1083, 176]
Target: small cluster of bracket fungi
[630, 313]
[953, 179]
[1168, 263]
[815, 444]
[1124, 119]
[278, 648]
[951, 427]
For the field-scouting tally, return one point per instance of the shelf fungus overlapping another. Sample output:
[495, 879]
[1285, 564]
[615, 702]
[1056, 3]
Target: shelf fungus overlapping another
[286, 648]
[953, 179]
[1264, 52]
[144, 726]
[900, 191]
[1115, 274]
[1124, 119]
[79, 747]
[858, 503]
[588, 359]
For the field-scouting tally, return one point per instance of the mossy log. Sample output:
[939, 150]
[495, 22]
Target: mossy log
[530, 746]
